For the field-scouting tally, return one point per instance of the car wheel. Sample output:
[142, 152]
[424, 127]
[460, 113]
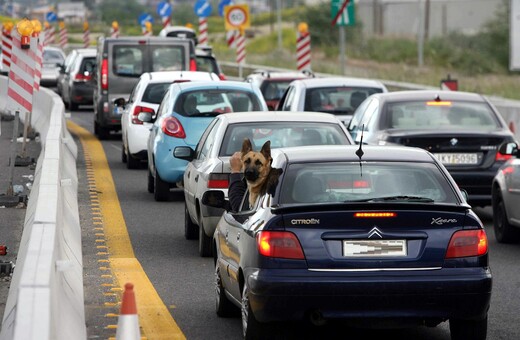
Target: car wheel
[73, 106]
[162, 189]
[151, 183]
[131, 162]
[123, 154]
[190, 229]
[468, 329]
[251, 328]
[223, 306]
[101, 132]
[504, 232]
[204, 241]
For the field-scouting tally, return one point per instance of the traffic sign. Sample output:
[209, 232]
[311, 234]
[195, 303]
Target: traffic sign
[51, 17]
[202, 8]
[144, 18]
[221, 5]
[164, 9]
[342, 13]
[237, 17]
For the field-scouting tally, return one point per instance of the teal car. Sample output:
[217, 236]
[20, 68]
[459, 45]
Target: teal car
[186, 110]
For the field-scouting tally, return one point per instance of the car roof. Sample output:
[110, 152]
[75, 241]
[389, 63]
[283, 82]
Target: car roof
[277, 75]
[347, 153]
[429, 95]
[278, 116]
[87, 51]
[228, 84]
[339, 81]
[190, 75]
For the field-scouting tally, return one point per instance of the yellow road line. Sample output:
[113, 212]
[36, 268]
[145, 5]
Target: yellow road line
[154, 318]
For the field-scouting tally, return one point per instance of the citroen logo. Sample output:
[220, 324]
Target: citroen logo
[375, 232]
[454, 141]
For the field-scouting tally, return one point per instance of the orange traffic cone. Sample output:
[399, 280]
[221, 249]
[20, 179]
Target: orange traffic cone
[128, 321]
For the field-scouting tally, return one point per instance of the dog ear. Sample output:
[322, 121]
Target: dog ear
[246, 146]
[266, 150]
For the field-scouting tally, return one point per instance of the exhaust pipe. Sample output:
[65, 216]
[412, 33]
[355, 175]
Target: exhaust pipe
[316, 318]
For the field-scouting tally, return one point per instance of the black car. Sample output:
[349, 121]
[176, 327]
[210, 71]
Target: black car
[463, 130]
[380, 236]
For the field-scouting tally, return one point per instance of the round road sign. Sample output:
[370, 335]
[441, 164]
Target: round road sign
[237, 16]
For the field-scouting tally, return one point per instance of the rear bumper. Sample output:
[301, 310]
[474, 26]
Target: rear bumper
[278, 295]
[82, 94]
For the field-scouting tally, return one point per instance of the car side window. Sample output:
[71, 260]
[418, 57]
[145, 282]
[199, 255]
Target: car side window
[286, 106]
[206, 146]
[164, 108]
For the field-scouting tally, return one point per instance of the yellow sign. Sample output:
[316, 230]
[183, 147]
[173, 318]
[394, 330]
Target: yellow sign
[237, 17]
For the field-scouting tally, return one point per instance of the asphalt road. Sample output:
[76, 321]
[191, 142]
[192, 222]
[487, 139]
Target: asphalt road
[184, 280]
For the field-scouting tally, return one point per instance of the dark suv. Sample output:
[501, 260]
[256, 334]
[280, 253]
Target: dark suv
[121, 61]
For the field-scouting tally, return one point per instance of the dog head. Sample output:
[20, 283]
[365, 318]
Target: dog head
[256, 165]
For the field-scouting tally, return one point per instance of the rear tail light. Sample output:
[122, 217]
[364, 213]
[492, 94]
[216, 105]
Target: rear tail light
[279, 244]
[500, 157]
[438, 103]
[104, 74]
[466, 243]
[172, 127]
[193, 65]
[218, 181]
[137, 111]
[222, 76]
[375, 214]
[82, 77]
[508, 170]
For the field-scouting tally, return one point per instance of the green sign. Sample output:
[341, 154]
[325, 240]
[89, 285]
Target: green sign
[347, 17]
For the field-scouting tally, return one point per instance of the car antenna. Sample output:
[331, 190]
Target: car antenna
[359, 152]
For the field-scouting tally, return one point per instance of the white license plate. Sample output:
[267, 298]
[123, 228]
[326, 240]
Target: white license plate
[457, 158]
[118, 110]
[374, 248]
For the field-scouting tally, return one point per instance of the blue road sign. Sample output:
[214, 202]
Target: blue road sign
[202, 8]
[143, 18]
[51, 17]
[222, 4]
[164, 9]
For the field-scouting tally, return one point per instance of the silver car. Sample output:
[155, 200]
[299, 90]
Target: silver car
[506, 196]
[53, 60]
[209, 168]
[337, 95]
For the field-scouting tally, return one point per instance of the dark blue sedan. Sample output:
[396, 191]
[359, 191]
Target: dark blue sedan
[381, 237]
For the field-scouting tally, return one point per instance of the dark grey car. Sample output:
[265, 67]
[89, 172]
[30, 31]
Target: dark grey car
[76, 86]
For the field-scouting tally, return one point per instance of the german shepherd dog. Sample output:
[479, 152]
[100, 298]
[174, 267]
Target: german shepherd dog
[259, 174]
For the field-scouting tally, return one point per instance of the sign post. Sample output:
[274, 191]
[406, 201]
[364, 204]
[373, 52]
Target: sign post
[164, 10]
[303, 47]
[203, 10]
[342, 14]
[237, 18]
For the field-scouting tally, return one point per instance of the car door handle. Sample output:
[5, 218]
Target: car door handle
[238, 236]
[188, 174]
[197, 178]
[226, 235]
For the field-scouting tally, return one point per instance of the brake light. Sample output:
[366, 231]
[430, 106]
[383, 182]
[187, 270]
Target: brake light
[375, 214]
[222, 76]
[218, 181]
[193, 65]
[279, 244]
[438, 103]
[466, 243]
[508, 170]
[172, 127]
[137, 111]
[104, 74]
[82, 77]
[500, 157]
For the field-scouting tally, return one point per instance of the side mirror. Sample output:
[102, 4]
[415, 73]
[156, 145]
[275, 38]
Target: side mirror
[120, 102]
[215, 199]
[145, 117]
[508, 148]
[184, 152]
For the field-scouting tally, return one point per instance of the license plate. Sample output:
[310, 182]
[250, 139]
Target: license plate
[118, 110]
[457, 158]
[374, 248]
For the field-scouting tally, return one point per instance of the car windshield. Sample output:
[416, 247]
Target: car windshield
[336, 182]
[211, 102]
[435, 115]
[274, 89]
[281, 134]
[337, 100]
[154, 93]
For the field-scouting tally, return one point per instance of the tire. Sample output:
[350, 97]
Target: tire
[124, 158]
[191, 230]
[223, 306]
[151, 183]
[468, 329]
[251, 328]
[101, 132]
[504, 232]
[204, 241]
[73, 106]
[131, 162]
[161, 189]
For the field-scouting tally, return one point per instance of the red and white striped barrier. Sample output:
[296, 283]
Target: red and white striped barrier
[20, 86]
[38, 48]
[114, 31]
[203, 31]
[86, 35]
[303, 51]
[128, 321]
[241, 49]
[6, 47]
[231, 38]
[147, 29]
[166, 21]
[63, 37]
[50, 35]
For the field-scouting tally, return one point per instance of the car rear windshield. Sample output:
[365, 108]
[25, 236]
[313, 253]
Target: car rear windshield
[88, 65]
[211, 102]
[130, 60]
[437, 115]
[154, 93]
[373, 181]
[281, 134]
[337, 100]
[274, 89]
[207, 64]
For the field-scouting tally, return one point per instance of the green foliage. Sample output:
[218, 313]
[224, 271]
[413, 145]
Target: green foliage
[125, 14]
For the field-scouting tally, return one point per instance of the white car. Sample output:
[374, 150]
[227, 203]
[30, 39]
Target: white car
[53, 60]
[337, 95]
[146, 97]
[209, 168]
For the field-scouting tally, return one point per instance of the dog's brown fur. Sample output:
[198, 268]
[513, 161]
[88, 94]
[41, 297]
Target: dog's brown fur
[260, 177]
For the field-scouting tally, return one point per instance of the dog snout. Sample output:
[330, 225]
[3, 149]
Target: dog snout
[251, 174]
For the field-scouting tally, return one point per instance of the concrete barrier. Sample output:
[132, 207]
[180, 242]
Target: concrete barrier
[46, 299]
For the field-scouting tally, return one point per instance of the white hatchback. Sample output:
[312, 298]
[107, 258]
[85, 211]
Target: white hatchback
[146, 97]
